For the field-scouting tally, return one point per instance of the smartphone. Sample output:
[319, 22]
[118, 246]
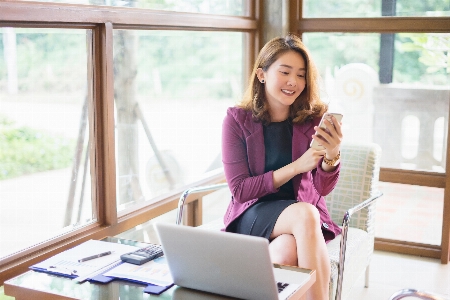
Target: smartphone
[316, 145]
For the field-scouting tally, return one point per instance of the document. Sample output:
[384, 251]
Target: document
[68, 262]
[155, 272]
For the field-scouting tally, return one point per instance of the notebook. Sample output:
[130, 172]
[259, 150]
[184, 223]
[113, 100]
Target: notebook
[225, 263]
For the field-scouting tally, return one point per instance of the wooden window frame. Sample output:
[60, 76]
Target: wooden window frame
[300, 25]
[102, 20]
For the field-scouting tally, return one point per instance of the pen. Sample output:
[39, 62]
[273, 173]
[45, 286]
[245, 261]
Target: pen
[94, 256]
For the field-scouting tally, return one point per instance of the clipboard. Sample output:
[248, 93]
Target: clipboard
[154, 273]
[150, 289]
[67, 262]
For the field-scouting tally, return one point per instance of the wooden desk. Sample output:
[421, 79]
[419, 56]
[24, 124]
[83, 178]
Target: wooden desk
[41, 286]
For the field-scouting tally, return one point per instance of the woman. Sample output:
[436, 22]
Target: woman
[277, 182]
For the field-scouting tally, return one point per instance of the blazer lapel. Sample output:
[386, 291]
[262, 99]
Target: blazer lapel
[300, 144]
[255, 148]
[300, 140]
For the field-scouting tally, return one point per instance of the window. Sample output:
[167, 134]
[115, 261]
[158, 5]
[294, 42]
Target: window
[399, 116]
[66, 80]
[172, 89]
[45, 168]
[219, 7]
[370, 8]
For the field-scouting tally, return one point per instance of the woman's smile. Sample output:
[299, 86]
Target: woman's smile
[284, 81]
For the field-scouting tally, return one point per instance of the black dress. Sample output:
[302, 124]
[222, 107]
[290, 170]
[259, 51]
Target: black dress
[260, 218]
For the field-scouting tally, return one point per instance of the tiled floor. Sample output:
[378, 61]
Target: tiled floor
[410, 213]
[391, 272]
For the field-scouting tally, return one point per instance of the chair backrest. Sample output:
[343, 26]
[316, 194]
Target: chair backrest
[358, 181]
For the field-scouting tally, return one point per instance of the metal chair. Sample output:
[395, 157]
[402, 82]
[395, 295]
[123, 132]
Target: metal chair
[352, 202]
[414, 293]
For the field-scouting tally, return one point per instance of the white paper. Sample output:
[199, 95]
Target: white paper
[155, 272]
[66, 262]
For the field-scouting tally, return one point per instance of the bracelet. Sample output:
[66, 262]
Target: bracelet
[331, 162]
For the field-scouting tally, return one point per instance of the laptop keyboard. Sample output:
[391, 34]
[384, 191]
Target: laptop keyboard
[281, 286]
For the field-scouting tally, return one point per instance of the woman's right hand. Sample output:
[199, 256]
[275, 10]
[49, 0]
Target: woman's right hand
[304, 163]
[308, 160]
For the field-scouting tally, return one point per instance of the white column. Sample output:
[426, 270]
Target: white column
[10, 53]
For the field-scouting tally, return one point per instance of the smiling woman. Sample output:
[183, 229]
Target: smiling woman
[278, 195]
[284, 81]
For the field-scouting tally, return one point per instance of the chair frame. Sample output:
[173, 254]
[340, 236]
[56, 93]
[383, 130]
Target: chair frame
[345, 224]
[415, 293]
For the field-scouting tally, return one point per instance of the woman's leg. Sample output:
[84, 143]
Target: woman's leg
[283, 250]
[302, 221]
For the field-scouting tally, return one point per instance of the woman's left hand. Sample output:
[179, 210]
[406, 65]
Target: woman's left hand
[330, 138]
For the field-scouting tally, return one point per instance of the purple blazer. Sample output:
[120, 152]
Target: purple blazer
[243, 157]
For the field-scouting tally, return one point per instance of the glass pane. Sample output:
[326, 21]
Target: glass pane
[172, 90]
[422, 8]
[218, 7]
[214, 207]
[146, 232]
[44, 166]
[410, 213]
[341, 9]
[371, 8]
[406, 115]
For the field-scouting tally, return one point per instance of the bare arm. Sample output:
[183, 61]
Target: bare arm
[304, 163]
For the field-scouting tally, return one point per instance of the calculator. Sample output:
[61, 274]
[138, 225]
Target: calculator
[143, 255]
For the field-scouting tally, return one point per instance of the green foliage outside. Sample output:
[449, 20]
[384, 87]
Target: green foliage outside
[24, 151]
[419, 58]
[342, 9]
[229, 7]
[431, 52]
[371, 8]
[422, 7]
[221, 7]
[54, 61]
[422, 58]
[48, 60]
[199, 63]
[335, 50]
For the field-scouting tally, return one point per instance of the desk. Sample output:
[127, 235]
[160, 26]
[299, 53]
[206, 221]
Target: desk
[42, 286]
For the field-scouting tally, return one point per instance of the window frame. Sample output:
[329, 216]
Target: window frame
[102, 20]
[392, 24]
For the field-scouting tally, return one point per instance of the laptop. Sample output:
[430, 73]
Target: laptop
[224, 263]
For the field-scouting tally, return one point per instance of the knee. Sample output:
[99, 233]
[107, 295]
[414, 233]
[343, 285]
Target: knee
[309, 215]
[283, 250]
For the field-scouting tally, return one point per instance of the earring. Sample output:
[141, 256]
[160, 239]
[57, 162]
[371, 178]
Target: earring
[263, 81]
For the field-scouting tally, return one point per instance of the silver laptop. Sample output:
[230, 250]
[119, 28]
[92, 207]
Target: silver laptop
[225, 263]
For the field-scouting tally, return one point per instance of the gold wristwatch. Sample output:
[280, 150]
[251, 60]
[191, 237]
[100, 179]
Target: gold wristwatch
[331, 162]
